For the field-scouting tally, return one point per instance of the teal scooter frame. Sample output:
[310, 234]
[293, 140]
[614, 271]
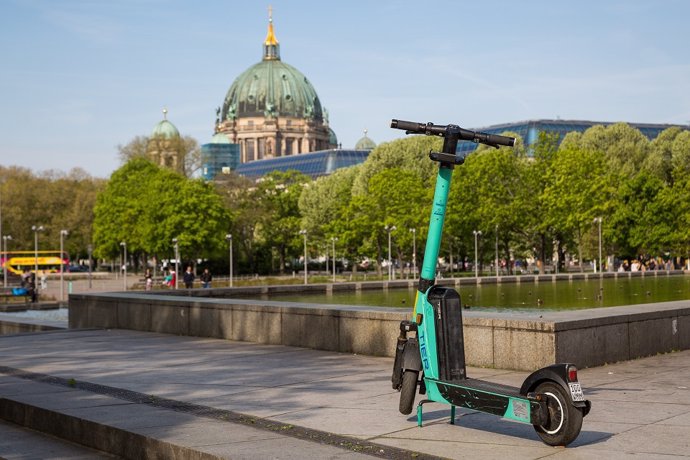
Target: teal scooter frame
[431, 344]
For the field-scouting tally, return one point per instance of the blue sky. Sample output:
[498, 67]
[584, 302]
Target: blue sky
[79, 77]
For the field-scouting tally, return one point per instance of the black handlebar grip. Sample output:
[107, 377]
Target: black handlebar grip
[408, 126]
[500, 140]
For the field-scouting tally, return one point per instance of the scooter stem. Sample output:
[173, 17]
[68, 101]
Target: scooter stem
[438, 214]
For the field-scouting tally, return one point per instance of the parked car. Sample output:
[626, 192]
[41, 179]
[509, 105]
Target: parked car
[78, 268]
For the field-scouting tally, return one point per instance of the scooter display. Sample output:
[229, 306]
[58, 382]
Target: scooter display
[430, 355]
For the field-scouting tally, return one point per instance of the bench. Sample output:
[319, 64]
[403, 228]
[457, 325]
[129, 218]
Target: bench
[8, 293]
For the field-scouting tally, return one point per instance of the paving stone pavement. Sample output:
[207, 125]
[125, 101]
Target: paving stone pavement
[244, 400]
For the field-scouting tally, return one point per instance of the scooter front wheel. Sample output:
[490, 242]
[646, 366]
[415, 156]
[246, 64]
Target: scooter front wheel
[564, 420]
[408, 389]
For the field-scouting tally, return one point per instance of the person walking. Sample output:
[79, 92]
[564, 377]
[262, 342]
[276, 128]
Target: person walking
[188, 278]
[148, 278]
[206, 278]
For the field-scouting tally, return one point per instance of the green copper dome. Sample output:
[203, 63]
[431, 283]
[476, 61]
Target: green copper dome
[365, 143]
[272, 89]
[220, 138]
[164, 128]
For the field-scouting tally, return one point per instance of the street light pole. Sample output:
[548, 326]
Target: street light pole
[304, 233]
[497, 274]
[414, 252]
[63, 234]
[476, 265]
[229, 238]
[177, 258]
[334, 239]
[4, 270]
[598, 219]
[124, 264]
[389, 229]
[90, 250]
[36, 229]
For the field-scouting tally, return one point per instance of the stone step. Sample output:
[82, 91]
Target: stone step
[17, 442]
[134, 430]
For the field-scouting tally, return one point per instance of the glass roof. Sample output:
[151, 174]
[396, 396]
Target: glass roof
[529, 130]
[314, 164]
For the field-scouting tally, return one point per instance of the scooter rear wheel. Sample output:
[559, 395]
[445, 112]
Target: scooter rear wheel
[408, 389]
[564, 420]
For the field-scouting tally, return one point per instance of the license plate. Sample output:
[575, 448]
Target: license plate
[576, 392]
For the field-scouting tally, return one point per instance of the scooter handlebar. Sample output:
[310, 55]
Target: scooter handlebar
[431, 129]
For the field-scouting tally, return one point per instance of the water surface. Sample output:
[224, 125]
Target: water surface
[525, 297]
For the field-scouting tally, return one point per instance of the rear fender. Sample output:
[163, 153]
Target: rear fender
[557, 373]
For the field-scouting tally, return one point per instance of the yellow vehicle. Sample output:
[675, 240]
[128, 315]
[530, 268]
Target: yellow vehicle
[47, 261]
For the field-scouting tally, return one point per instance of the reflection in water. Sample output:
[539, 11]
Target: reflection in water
[530, 296]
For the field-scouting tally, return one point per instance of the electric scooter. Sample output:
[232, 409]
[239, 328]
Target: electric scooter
[430, 351]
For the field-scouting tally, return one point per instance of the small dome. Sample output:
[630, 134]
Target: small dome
[164, 128]
[220, 138]
[365, 143]
[332, 138]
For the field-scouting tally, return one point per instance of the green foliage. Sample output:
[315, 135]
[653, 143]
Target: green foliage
[146, 207]
[55, 200]
[533, 202]
[278, 194]
[323, 201]
[410, 154]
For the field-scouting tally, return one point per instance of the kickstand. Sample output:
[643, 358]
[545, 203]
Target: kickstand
[420, 410]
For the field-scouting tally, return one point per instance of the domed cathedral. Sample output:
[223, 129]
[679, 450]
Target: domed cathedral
[165, 147]
[272, 110]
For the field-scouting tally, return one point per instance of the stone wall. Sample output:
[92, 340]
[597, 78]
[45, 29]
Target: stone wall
[507, 341]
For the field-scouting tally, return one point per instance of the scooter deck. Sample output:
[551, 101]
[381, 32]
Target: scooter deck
[493, 398]
[488, 387]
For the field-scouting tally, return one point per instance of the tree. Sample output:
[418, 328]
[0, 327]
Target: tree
[396, 198]
[408, 154]
[325, 209]
[578, 190]
[146, 207]
[625, 147]
[278, 195]
[55, 200]
[487, 195]
[537, 232]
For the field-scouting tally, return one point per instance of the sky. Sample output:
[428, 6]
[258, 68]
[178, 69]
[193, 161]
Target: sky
[80, 77]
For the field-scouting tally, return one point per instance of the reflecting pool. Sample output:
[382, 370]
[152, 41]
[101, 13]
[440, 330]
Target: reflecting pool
[526, 297]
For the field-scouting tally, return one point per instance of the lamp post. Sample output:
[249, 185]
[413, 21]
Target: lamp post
[497, 274]
[90, 251]
[333, 240]
[228, 237]
[36, 229]
[598, 220]
[304, 233]
[124, 264]
[389, 229]
[414, 251]
[63, 234]
[177, 258]
[477, 233]
[4, 270]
